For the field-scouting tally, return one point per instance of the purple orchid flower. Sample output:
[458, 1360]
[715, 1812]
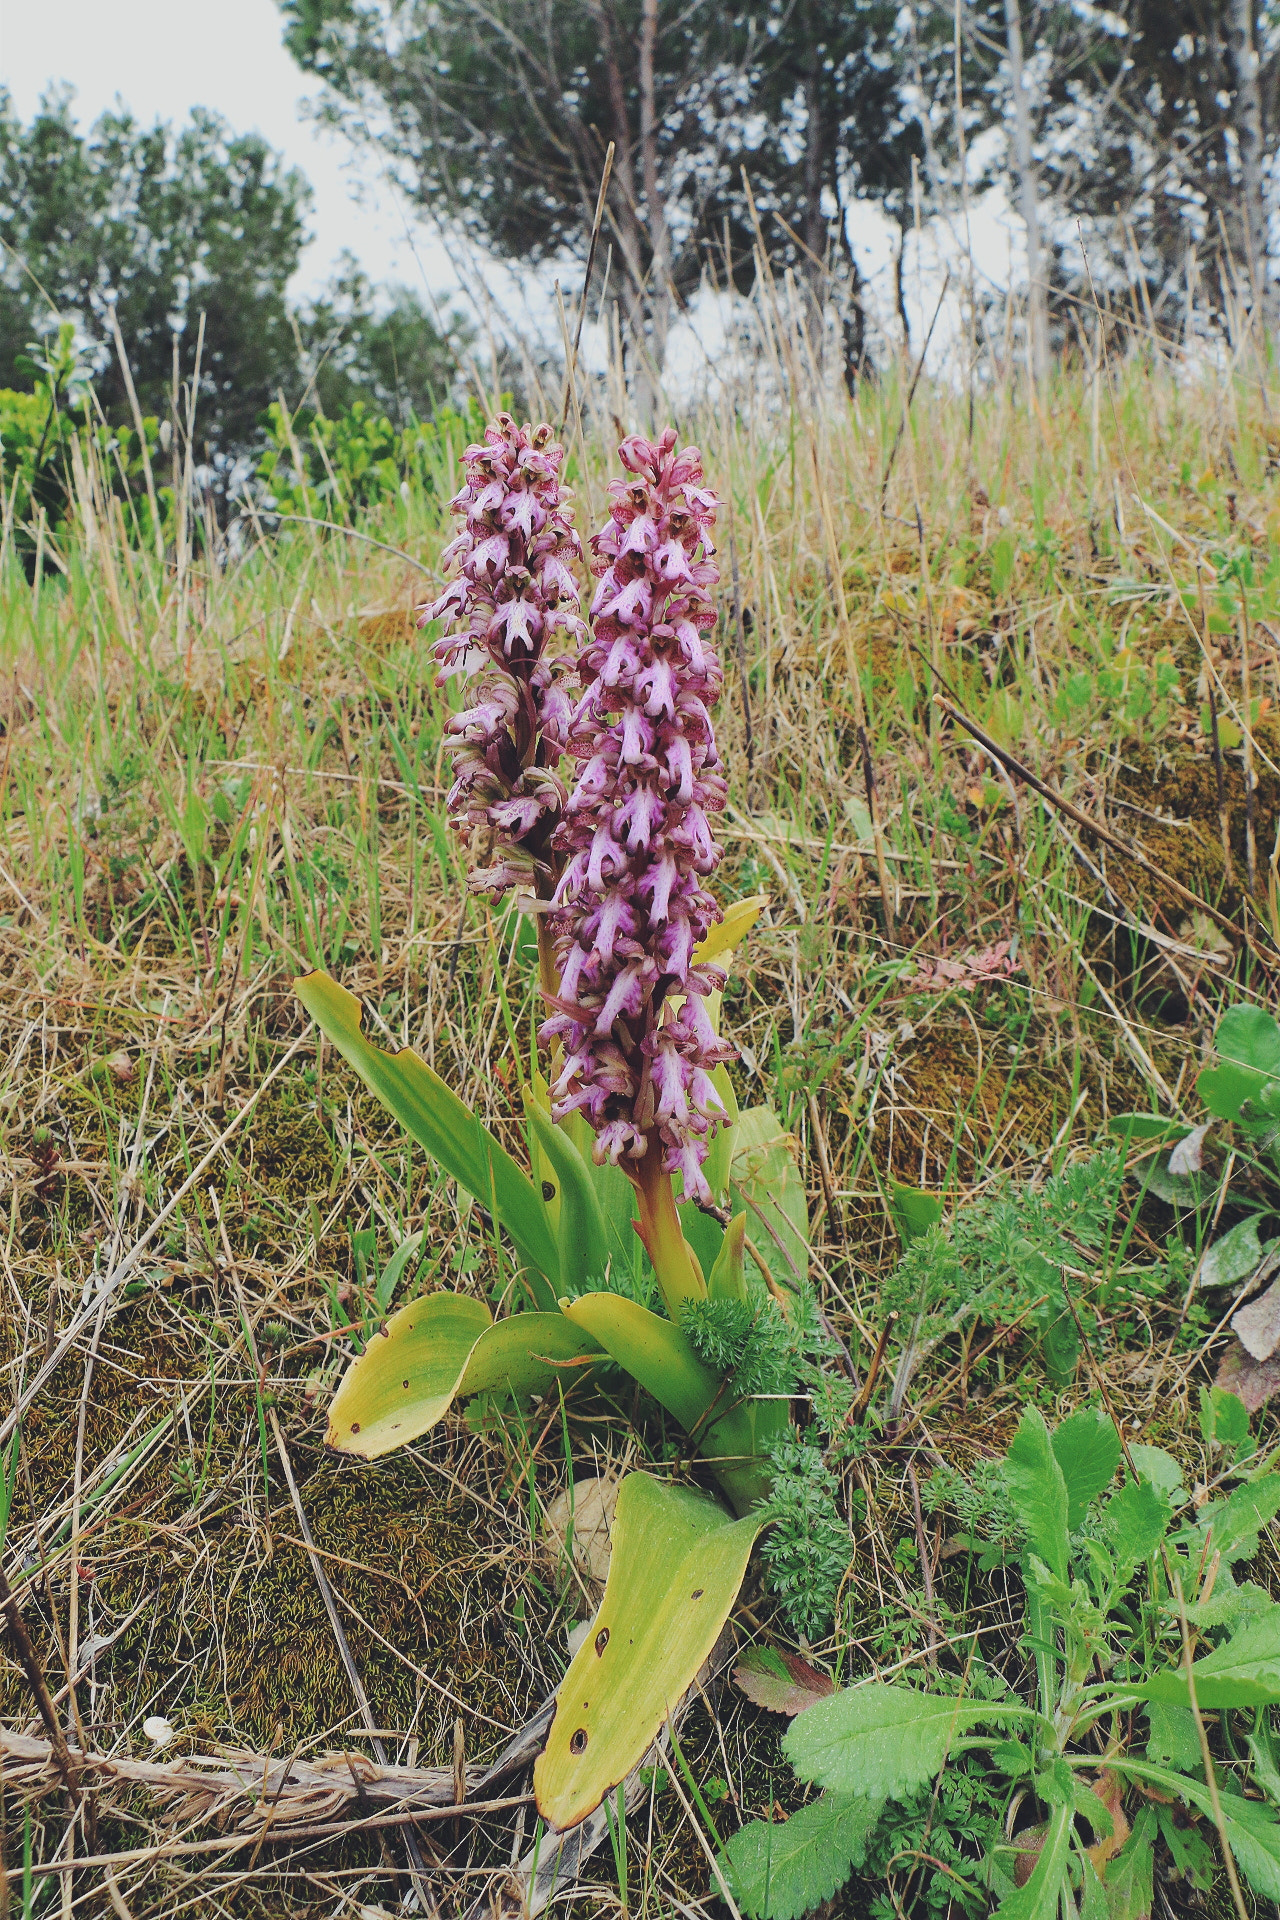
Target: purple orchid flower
[631, 1014]
[515, 593]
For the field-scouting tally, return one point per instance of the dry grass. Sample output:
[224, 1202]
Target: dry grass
[218, 778]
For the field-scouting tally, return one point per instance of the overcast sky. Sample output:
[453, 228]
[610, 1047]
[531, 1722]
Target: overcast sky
[162, 57]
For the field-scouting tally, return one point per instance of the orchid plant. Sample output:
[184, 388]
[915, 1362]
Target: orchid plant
[633, 1130]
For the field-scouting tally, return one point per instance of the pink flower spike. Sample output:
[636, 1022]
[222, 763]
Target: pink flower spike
[637, 831]
[515, 587]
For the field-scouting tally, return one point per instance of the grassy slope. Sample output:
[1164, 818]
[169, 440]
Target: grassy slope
[213, 781]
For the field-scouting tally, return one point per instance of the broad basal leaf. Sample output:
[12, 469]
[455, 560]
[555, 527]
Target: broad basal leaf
[433, 1114]
[1243, 1672]
[779, 1870]
[727, 1279]
[879, 1739]
[676, 1566]
[732, 928]
[439, 1348]
[1039, 1491]
[1087, 1448]
[587, 1249]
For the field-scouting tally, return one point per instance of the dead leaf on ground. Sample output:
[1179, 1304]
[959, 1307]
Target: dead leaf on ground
[781, 1682]
[1253, 1381]
[1257, 1326]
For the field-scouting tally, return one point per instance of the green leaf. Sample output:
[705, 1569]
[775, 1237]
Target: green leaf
[1038, 1900]
[1087, 1448]
[1243, 1672]
[393, 1272]
[1146, 1126]
[656, 1353]
[1136, 1519]
[879, 1739]
[719, 1161]
[1129, 1888]
[1160, 1468]
[1234, 1256]
[674, 1572]
[438, 1348]
[586, 1253]
[1224, 1418]
[1234, 1524]
[435, 1117]
[778, 1871]
[1248, 1045]
[1190, 1852]
[914, 1211]
[1254, 1837]
[1039, 1491]
[727, 1279]
[765, 1180]
[1172, 1740]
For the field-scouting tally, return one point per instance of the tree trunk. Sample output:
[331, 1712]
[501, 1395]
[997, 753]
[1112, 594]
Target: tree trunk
[624, 201]
[655, 213]
[1246, 119]
[1028, 197]
[853, 321]
[813, 267]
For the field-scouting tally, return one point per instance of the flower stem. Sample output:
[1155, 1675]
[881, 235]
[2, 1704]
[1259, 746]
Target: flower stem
[674, 1262]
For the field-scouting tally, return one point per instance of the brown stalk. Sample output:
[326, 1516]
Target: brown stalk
[30, 1663]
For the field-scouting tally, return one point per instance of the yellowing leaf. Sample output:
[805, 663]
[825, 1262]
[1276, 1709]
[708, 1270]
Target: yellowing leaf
[730, 933]
[438, 1349]
[677, 1565]
[407, 1376]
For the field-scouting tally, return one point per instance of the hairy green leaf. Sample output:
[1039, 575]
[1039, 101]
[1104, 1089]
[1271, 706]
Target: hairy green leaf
[879, 1739]
[1234, 1524]
[1243, 1672]
[1234, 1256]
[1039, 1491]
[1038, 1900]
[1087, 1448]
[1135, 1518]
[779, 1871]
[1254, 1836]
[1130, 1872]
